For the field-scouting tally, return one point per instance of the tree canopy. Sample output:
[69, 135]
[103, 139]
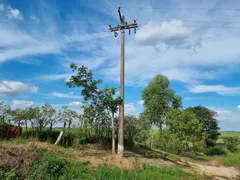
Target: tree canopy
[210, 123]
[159, 99]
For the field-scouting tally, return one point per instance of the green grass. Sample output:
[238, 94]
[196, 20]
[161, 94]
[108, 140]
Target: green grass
[230, 133]
[14, 141]
[231, 159]
[56, 167]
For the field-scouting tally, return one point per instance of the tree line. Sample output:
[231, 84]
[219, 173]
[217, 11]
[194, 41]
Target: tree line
[164, 123]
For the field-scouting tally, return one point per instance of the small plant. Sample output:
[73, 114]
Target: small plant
[52, 167]
[216, 151]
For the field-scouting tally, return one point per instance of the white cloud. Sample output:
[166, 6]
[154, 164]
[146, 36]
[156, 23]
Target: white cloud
[223, 112]
[219, 89]
[68, 95]
[14, 88]
[238, 107]
[1, 7]
[21, 104]
[229, 120]
[75, 103]
[171, 33]
[141, 102]
[14, 14]
[130, 108]
[53, 77]
[35, 19]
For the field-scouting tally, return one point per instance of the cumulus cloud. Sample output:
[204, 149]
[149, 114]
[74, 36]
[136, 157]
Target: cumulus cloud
[229, 120]
[68, 95]
[130, 108]
[171, 33]
[219, 89]
[141, 102]
[54, 77]
[14, 14]
[223, 112]
[21, 104]
[75, 103]
[11, 88]
[238, 107]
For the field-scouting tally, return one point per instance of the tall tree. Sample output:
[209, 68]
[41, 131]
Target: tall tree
[67, 116]
[111, 105]
[49, 115]
[210, 123]
[5, 113]
[159, 99]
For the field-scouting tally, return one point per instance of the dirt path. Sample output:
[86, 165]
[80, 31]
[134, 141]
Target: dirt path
[220, 172]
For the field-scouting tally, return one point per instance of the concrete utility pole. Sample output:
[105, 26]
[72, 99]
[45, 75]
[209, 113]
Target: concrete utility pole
[114, 29]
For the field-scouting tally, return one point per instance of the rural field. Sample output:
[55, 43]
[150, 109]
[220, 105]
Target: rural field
[230, 133]
[119, 90]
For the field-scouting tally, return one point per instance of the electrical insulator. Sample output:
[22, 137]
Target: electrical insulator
[129, 31]
[135, 30]
[115, 34]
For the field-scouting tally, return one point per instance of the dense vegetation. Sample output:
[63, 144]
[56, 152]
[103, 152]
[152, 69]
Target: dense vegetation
[56, 167]
[164, 124]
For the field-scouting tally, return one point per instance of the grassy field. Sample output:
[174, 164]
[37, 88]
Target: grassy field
[230, 133]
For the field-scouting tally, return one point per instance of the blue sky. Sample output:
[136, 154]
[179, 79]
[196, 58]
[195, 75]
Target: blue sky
[195, 44]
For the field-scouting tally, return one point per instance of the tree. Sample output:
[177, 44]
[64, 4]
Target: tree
[159, 99]
[5, 113]
[130, 128]
[187, 128]
[49, 115]
[66, 116]
[210, 123]
[93, 109]
[84, 79]
[111, 104]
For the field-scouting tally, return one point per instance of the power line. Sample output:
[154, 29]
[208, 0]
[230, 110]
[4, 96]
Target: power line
[184, 8]
[117, 8]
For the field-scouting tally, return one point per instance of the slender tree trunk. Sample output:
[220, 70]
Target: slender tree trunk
[113, 134]
[69, 123]
[50, 128]
[26, 125]
[64, 125]
[19, 125]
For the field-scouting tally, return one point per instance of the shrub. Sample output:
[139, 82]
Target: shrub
[169, 142]
[232, 143]
[52, 167]
[142, 138]
[216, 151]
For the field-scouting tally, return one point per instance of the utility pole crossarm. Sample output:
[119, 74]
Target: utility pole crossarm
[121, 27]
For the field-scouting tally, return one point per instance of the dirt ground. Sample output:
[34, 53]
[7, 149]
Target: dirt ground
[94, 155]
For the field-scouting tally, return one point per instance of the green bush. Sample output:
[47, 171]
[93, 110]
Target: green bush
[167, 141]
[216, 151]
[52, 167]
[232, 143]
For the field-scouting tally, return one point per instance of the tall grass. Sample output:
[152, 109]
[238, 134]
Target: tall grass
[55, 167]
[18, 140]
